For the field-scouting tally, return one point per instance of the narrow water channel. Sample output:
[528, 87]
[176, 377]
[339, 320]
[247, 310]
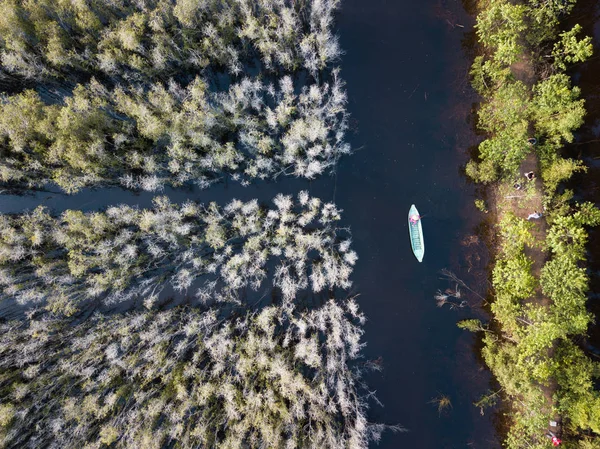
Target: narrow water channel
[406, 71]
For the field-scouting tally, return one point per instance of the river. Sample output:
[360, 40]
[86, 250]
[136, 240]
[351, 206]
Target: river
[406, 69]
[587, 147]
[406, 66]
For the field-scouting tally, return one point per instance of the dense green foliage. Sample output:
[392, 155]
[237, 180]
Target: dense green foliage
[168, 93]
[569, 49]
[533, 354]
[185, 378]
[499, 27]
[515, 35]
[536, 347]
[172, 135]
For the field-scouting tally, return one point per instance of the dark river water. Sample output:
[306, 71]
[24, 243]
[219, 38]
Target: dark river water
[587, 147]
[406, 69]
[406, 66]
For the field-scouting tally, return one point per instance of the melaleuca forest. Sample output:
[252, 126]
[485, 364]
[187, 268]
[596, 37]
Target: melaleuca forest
[299, 224]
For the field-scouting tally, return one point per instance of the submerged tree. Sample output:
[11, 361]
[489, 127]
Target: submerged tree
[184, 378]
[159, 92]
[169, 134]
[155, 38]
[126, 252]
[168, 92]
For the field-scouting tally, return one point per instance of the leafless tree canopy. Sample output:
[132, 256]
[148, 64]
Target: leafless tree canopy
[126, 252]
[278, 378]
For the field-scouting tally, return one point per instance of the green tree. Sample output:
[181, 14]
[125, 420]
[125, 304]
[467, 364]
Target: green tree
[513, 276]
[566, 238]
[559, 170]
[504, 151]
[545, 16]
[565, 283]
[499, 27]
[506, 108]
[515, 233]
[576, 398]
[587, 214]
[488, 74]
[472, 325]
[485, 171]
[556, 109]
[569, 50]
[507, 310]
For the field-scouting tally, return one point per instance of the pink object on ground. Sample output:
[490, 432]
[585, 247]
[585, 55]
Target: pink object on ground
[556, 441]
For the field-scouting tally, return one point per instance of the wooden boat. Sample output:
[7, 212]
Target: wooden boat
[415, 231]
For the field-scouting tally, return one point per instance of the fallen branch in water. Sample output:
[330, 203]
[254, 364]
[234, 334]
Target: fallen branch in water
[450, 276]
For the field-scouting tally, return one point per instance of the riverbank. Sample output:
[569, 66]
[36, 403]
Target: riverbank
[529, 111]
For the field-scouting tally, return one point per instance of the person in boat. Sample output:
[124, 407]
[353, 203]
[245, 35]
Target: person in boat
[414, 218]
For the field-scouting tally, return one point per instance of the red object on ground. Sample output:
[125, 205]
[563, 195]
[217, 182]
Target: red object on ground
[555, 441]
